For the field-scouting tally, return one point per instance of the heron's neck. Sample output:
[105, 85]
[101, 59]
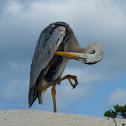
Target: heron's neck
[79, 49]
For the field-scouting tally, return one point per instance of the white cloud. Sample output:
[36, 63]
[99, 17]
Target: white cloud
[13, 8]
[117, 97]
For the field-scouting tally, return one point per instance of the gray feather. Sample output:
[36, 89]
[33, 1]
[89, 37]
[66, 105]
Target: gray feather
[44, 52]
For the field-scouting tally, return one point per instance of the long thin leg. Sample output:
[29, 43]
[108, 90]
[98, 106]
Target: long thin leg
[69, 77]
[54, 97]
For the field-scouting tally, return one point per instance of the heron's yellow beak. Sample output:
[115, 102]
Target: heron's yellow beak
[68, 54]
[77, 56]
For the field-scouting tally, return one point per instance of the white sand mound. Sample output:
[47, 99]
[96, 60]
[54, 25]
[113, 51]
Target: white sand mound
[41, 118]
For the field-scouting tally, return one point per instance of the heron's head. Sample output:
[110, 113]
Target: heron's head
[92, 54]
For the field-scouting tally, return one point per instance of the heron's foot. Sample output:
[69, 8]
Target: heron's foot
[69, 77]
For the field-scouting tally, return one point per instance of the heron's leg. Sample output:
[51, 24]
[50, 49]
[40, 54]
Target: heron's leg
[69, 77]
[54, 97]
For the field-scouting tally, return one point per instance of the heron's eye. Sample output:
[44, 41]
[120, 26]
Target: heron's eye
[84, 60]
[92, 52]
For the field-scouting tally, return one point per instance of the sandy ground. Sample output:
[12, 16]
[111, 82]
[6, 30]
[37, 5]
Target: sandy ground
[42, 118]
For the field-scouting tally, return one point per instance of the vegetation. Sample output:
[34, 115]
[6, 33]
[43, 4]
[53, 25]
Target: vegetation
[119, 111]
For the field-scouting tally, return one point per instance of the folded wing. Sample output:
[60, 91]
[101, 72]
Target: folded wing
[49, 40]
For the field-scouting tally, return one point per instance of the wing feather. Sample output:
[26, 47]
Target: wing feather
[44, 52]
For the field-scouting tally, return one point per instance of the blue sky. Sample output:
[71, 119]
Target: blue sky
[100, 86]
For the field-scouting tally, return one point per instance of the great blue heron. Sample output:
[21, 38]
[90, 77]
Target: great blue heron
[56, 45]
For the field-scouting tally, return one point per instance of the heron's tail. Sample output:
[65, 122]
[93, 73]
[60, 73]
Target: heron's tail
[33, 93]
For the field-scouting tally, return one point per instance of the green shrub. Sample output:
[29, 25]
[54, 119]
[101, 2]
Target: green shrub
[118, 111]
